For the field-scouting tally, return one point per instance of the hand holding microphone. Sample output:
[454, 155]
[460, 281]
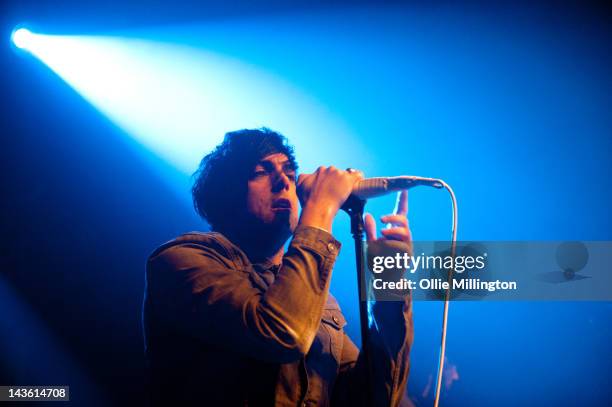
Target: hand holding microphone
[323, 192]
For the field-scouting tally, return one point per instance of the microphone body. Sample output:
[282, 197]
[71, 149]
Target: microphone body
[373, 187]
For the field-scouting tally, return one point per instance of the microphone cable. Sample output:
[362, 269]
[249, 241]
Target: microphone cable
[447, 297]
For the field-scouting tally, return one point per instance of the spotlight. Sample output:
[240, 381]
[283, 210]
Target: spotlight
[22, 37]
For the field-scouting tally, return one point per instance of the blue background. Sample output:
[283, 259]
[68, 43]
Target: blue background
[510, 104]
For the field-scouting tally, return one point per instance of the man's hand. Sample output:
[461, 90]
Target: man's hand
[323, 192]
[397, 223]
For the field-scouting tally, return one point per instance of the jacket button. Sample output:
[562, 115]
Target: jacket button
[336, 320]
[331, 247]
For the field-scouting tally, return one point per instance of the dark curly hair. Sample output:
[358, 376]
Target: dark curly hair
[220, 186]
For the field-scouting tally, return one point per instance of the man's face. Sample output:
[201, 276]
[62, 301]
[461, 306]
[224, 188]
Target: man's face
[271, 197]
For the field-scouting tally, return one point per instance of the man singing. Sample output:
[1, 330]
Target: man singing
[231, 318]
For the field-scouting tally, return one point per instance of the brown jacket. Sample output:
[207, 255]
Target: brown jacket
[221, 331]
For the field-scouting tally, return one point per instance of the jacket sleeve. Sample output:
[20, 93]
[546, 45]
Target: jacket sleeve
[201, 292]
[390, 338]
[390, 341]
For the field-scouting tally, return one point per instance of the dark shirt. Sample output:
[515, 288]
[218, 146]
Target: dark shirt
[221, 331]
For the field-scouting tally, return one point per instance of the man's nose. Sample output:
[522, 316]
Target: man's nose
[280, 181]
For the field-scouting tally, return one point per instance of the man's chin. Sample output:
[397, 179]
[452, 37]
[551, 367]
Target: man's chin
[279, 224]
[283, 225]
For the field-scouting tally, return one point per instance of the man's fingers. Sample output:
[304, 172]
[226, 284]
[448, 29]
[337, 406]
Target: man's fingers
[357, 175]
[395, 220]
[370, 227]
[301, 178]
[398, 233]
[401, 205]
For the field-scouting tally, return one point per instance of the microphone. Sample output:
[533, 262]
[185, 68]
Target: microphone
[373, 187]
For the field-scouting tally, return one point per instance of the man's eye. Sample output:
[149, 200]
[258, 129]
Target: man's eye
[291, 176]
[259, 173]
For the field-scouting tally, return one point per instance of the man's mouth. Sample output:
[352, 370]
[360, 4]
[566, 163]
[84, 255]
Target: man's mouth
[281, 204]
